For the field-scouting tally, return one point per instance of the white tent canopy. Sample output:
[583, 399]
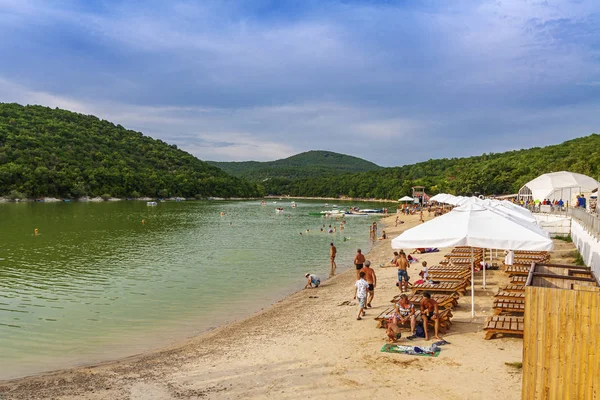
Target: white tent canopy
[558, 185]
[406, 198]
[473, 225]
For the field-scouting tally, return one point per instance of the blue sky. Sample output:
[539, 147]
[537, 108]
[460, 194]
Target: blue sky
[394, 82]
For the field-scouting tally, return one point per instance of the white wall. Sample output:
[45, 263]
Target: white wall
[588, 246]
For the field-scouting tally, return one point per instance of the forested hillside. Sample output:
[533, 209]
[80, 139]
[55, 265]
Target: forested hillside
[310, 164]
[52, 152]
[487, 174]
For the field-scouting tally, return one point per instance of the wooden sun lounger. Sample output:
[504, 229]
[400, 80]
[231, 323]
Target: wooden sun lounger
[518, 279]
[443, 300]
[513, 288]
[503, 325]
[517, 270]
[528, 252]
[449, 276]
[449, 268]
[510, 296]
[509, 306]
[442, 287]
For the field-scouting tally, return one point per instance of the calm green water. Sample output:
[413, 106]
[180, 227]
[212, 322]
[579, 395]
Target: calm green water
[97, 284]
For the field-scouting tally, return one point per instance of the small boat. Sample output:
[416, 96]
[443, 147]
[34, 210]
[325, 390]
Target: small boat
[368, 211]
[355, 214]
[334, 206]
[151, 203]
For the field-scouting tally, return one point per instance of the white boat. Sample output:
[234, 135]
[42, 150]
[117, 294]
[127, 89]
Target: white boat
[151, 203]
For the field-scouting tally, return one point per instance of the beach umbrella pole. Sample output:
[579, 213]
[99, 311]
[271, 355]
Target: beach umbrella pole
[472, 284]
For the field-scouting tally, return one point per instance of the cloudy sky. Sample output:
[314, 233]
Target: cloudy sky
[394, 82]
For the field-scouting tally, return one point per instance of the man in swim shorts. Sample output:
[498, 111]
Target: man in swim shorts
[371, 280]
[359, 260]
[402, 264]
[430, 311]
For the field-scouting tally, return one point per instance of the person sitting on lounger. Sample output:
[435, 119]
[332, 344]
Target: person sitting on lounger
[430, 311]
[313, 281]
[403, 313]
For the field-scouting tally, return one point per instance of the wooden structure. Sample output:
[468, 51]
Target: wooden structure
[503, 325]
[561, 343]
[455, 288]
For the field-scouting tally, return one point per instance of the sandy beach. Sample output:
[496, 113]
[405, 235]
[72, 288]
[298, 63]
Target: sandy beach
[310, 345]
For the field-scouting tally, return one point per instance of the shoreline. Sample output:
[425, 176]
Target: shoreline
[308, 345]
[181, 343]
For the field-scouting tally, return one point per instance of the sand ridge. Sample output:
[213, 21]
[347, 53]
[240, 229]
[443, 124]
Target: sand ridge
[308, 345]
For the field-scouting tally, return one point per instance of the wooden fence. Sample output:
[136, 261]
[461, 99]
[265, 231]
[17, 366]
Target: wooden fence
[561, 344]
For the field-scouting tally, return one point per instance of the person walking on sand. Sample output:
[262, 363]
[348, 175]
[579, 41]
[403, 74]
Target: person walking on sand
[371, 279]
[312, 281]
[359, 260]
[332, 253]
[430, 311]
[360, 291]
[402, 264]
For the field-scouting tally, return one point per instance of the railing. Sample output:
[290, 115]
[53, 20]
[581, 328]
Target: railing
[590, 221]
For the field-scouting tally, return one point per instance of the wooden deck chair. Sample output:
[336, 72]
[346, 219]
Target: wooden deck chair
[509, 307]
[501, 324]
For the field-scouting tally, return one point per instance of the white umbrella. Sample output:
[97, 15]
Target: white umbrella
[406, 198]
[476, 226]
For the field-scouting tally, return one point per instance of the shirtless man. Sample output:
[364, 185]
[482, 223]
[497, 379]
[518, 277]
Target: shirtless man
[359, 260]
[332, 253]
[371, 279]
[430, 311]
[402, 264]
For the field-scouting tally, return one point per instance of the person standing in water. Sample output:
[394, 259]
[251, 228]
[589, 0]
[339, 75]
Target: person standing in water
[332, 254]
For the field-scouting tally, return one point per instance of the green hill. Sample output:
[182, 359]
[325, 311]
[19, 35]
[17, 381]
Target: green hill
[499, 173]
[53, 152]
[313, 163]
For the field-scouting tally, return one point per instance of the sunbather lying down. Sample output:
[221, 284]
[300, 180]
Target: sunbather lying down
[425, 250]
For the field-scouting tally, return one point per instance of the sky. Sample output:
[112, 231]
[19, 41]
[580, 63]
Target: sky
[394, 82]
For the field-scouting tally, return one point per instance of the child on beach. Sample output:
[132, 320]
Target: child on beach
[360, 291]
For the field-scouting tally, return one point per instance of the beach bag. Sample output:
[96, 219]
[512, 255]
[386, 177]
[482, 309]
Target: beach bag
[419, 331]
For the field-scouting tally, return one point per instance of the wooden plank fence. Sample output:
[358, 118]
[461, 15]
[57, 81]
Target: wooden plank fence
[561, 344]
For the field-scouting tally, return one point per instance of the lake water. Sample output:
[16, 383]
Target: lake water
[96, 283]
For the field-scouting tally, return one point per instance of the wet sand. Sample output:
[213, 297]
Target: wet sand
[310, 345]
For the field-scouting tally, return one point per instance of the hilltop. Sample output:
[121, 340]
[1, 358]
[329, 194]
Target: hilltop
[58, 153]
[498, 173]
[315, 163]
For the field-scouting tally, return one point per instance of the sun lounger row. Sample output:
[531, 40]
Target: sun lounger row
[513, 288]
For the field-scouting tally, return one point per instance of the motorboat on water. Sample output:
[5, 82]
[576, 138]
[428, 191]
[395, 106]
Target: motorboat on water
[355, 214]
[151, 203]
